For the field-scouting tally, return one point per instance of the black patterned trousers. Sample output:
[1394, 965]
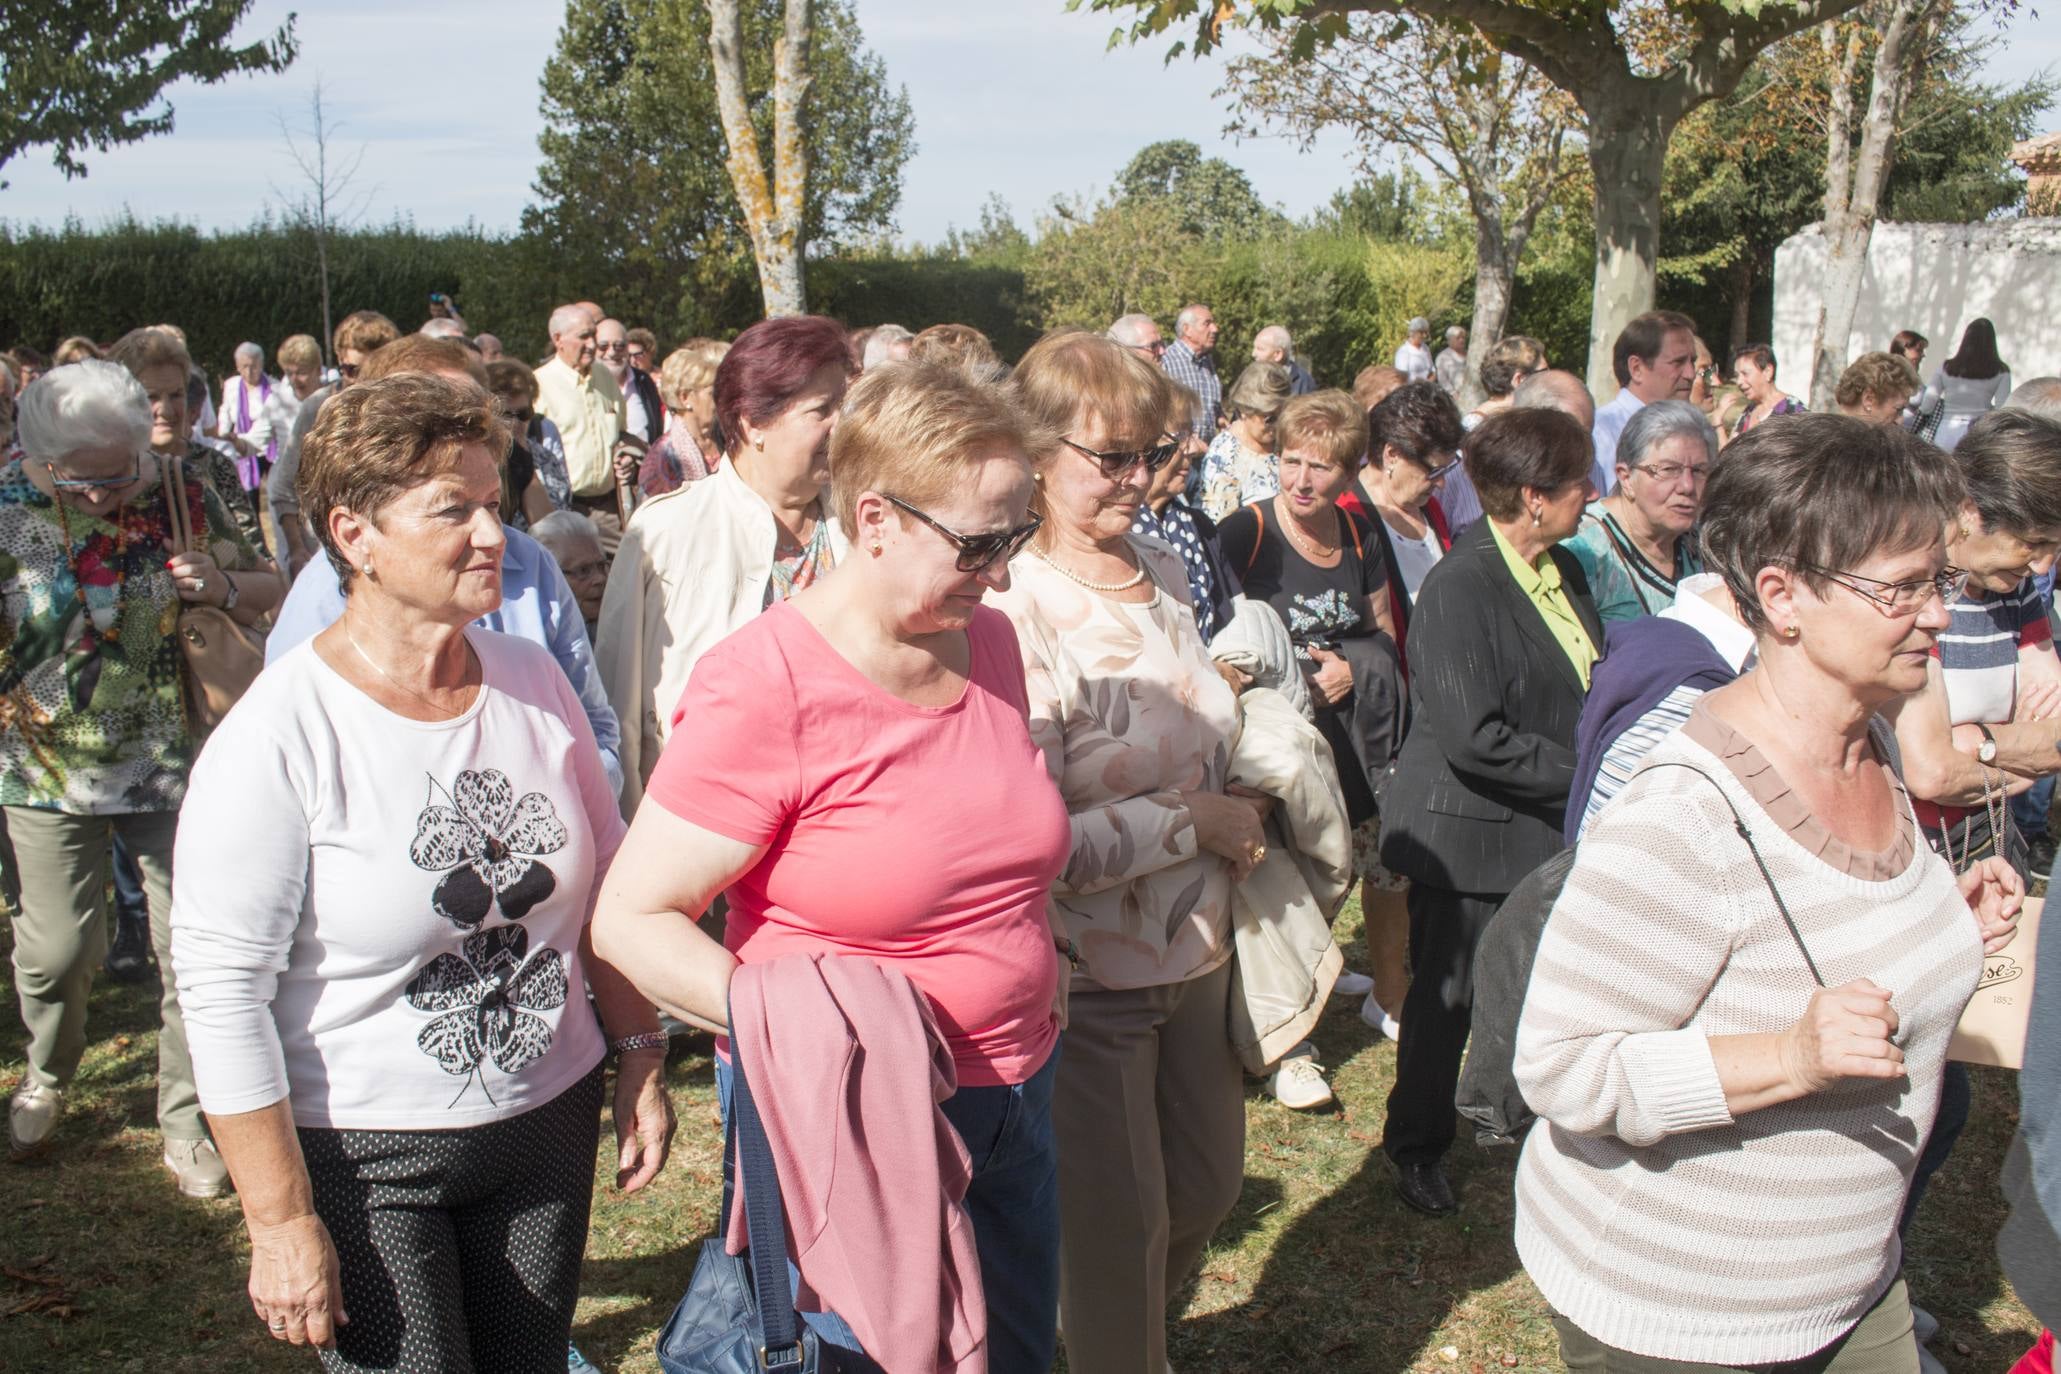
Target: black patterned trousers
[460, 1250]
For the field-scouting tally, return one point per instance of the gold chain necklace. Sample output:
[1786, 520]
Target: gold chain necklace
[448, 714]
[1309, 548]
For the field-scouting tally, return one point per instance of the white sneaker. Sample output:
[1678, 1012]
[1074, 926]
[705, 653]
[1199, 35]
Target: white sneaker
[1376, 1016]
[198, 1167]
[1923, 1324]
[1352, 985]
[1298, 1080]
[31, 1117]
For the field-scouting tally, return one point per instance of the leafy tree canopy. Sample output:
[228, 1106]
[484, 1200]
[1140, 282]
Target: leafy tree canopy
[1209, 196]
[76, 74]
[633, 150]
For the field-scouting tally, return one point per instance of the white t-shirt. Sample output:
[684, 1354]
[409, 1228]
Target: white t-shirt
[1415, 557]
[379, 917]
[1413, 361]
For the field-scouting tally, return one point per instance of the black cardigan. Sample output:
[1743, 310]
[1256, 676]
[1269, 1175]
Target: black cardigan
[1478, 794]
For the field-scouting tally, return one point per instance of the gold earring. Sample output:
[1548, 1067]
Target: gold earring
[759, 444]
[876, 550]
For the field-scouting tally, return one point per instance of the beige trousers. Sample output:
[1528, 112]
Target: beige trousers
[1149, 1112]
[60, 936]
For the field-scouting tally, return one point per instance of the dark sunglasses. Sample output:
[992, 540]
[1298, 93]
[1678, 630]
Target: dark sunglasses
[977, 552]
[1117, 462]
[1433, 474]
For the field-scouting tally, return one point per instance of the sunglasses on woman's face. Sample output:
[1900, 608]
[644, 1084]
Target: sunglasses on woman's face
[977, 552]
[1116, 463]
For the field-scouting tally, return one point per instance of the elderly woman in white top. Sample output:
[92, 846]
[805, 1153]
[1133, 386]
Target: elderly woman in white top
[1737, 1057]
[1136, 725]
[389, 977]
[698, 562]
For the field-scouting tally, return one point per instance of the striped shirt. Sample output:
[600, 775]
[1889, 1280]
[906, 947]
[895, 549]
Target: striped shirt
[1648, 1215]
[1197, 372]
[1978, 658]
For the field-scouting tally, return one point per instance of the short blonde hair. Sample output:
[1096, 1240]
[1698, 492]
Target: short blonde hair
[959, 345]
[1881, 375]
[1328, 424]
[422, 353]
[915, 428]
[1070, 375]
[153, 345]
[300, 351]
[689, 368]
[377, 439]
[75, 349]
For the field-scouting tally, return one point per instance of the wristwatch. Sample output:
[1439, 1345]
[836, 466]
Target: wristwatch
[1986, 752]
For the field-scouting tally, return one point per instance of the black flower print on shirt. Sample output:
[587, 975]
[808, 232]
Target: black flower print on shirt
[490, 842]
[483, 997]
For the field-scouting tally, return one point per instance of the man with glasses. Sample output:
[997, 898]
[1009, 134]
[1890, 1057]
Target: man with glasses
[1140, 334]
[587, 405]
[1191, 360]
[618, 349]
[358, 335]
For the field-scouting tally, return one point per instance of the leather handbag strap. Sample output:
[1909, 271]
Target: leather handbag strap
[765, 1225]
[176, 511]
[1739, 824]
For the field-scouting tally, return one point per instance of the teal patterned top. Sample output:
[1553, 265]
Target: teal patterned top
[91, 721]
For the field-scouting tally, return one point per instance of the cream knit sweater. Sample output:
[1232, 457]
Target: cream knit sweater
[1647, 1214]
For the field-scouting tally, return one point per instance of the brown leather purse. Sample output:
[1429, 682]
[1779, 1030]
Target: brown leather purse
[222, 657]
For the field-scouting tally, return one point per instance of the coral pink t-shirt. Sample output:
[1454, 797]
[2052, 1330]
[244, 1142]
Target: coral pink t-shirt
[922, 836]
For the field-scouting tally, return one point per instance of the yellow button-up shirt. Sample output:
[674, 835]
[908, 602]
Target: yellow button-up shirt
[1541, 582]
[589, 413]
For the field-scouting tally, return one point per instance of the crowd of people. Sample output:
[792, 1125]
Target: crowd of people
[982, 754]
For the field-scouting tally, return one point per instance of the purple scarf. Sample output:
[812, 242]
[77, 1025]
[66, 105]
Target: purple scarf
[247, 468]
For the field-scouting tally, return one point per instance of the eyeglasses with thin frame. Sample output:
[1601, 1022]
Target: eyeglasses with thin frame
[1902, 598]
[1667, 474]
[977, 552]
[1116, 463]
[99, 484]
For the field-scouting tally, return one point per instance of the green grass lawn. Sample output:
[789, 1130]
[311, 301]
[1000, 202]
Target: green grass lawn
[104, 1267]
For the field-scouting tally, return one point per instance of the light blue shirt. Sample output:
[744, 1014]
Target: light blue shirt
[1611, 418]
[536, 604]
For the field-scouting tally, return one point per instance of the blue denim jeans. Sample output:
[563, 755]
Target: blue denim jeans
[2029, 808]
[1013, 1203]
[1956, 1100]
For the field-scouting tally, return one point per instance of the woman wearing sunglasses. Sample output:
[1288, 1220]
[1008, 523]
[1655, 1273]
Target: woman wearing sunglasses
[854, 767]
[1136, 726]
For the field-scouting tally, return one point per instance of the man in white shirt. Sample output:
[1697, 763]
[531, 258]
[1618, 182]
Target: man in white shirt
[1413, 359]
[587, 406]
[1450, 367]
[644, 413]
[1655, 360]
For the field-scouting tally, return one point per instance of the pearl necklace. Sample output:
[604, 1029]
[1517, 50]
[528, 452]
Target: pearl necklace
[1134, 580]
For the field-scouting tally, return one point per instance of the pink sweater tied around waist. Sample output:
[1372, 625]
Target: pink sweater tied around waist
[848, 1068]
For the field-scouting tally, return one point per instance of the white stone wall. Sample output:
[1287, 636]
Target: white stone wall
[1933, 278]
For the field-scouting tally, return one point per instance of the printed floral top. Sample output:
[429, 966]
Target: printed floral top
[1130, 713]
[91, 721]
[1234, 475]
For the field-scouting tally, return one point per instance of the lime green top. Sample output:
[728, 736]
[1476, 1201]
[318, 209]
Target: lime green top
[1541, 582]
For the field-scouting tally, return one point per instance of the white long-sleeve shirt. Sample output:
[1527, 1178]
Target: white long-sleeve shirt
[379, 918]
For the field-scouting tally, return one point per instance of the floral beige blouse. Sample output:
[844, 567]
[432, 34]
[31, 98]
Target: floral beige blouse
[1129, 713]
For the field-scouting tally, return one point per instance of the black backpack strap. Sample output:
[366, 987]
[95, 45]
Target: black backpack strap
[765, 1224]
[1739, 824]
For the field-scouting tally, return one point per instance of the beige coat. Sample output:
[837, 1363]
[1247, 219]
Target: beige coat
[693, 568]
[1281, 915]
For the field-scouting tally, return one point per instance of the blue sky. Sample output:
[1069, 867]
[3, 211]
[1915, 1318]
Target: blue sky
[1018, 97]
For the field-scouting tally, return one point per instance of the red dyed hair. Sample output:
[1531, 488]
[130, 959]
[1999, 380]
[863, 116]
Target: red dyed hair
[768, 364]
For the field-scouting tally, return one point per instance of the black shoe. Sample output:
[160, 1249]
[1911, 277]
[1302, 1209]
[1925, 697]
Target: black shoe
[2039, 860]
[1424, 1187]
[128, 959]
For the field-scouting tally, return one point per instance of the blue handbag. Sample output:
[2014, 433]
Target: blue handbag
[738, 1316]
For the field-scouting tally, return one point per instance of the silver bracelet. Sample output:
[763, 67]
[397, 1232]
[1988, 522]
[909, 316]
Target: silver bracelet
[649, 1040]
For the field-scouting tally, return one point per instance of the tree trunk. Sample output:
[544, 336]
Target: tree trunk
[1854, 182]
[1494, 277]
[1745, 273]
[1627, 147]
[772, 208]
